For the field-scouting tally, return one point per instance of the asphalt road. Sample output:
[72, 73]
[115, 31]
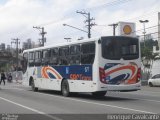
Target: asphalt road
[16, 99]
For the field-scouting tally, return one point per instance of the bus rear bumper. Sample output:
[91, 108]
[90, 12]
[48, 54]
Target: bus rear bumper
[122, 88]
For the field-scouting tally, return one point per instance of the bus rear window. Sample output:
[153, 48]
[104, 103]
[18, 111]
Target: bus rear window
[116, 48]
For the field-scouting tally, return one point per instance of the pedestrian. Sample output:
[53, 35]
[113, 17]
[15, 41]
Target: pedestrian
[3, 77]
[10, 77]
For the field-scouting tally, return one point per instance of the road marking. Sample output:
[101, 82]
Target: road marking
[34, 110]
[106, 105]
[139, 99]
[149, 100]
[144, 93]
[151, 91]
[110, 96]
[113, 106]
[14, 89]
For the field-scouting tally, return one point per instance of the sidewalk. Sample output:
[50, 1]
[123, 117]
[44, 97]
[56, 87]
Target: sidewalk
[12, 84]
[17, 81]
[144, 82]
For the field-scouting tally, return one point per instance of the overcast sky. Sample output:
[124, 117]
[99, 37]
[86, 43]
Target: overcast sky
[17, 17]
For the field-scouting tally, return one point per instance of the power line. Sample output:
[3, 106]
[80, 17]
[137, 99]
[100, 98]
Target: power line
[155, 38]
[116, 2]
[113, 3]
[143, 29]
[151, 33]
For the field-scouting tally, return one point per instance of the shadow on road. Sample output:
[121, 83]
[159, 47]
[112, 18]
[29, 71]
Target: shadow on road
[88, 96]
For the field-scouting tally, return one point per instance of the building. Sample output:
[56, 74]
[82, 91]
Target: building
[156, 64]
[148, 37]
[28, 44]
[8, 48]
[2, 46]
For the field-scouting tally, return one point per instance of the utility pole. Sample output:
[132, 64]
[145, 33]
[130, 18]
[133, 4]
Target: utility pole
[89, 19]
[114, 28]
[144, 33]
[16, 41]
[42, 33]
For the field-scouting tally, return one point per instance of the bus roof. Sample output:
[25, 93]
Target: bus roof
[70, 43]
[62, 44]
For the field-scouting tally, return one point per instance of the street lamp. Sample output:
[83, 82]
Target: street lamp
[144, 33]
[75, 28]
[68, 39]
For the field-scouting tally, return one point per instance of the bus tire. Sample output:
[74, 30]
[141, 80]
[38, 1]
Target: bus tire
[35, 89]
[99, 93]
[65, 88]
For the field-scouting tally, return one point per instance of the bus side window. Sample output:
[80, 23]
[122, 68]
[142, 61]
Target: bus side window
[54, 56]
[74, 54]
[37, 58]
[45, 57]
[31, 59]
[24, 62]
[63, 56]
[87, 53]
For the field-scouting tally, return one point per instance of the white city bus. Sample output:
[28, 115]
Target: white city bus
[110, 63]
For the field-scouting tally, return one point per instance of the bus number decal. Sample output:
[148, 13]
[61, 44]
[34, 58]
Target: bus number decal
[86, 69]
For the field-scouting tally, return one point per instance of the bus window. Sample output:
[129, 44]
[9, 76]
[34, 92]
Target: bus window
[120, 47]
[63, 55]
[45, 57]
[75, 49]
[37, 58]
[87, 53]
[74, 54]
[54, 56]
[110, 49]
[24, 62]
[130, 49]
[31, 59]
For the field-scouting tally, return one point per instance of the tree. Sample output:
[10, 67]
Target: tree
[148, 57]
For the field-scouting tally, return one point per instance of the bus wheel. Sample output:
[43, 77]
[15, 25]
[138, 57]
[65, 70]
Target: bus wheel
[65, 88]
[99, 94]
[35, 89]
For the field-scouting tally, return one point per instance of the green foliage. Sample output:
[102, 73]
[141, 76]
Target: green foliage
[146, 52]
[149, 44]
[147, 55]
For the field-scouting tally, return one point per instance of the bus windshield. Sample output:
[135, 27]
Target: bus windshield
[116, 48]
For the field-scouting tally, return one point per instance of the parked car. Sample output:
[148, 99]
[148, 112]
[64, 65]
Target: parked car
[154, 81]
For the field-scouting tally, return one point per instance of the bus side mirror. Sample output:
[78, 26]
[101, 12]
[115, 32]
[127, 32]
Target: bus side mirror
[99, 41]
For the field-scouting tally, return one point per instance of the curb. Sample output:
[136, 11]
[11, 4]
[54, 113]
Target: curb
[144, 82]
[17, 81]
